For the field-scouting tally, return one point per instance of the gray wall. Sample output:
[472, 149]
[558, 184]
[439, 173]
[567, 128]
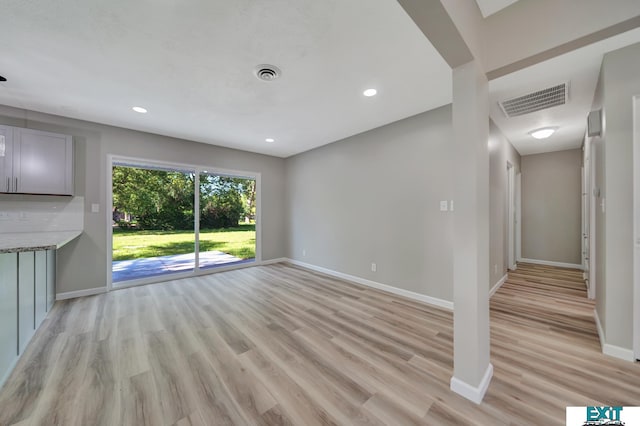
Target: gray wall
[500, 152]
[82, 263]
[374, 197]
[551, 206]
[620, 82]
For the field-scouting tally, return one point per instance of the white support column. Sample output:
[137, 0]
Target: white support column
[471, 340]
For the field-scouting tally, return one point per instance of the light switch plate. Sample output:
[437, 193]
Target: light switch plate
[444, 206]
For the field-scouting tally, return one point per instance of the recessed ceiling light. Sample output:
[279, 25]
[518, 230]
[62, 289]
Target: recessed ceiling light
[139, 109]
[370, 92]
[543, 133]
[269, 140]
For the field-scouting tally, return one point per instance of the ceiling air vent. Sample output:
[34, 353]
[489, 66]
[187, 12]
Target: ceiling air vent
[536, 101]
[267, 72]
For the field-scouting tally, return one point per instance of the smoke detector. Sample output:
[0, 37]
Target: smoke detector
[536, 101]
[266, 72]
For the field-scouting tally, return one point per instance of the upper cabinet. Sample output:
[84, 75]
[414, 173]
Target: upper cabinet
[35, 162]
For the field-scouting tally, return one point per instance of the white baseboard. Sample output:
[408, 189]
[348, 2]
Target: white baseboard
[80, 293]
[618, 352]
[384, 287]
[473, 393]
[612, 350]
[498, 285]
[599, 327]
[550, 263]
[272, 261]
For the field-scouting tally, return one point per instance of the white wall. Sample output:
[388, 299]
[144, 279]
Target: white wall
[500, 152]
[82, 263]
[621, 81]
[552, 206]
[374, 197]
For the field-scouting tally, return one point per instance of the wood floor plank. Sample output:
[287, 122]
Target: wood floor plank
[281, 345]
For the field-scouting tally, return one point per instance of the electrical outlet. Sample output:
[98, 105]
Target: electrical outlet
[451, 205]
[374, 267]
[495, 269]
[304, 252]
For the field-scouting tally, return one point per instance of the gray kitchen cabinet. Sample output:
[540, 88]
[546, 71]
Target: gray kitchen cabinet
[35, 162]
[26, 298]
[51, 279]
[40, 287]
[8, 313]
[27, 293]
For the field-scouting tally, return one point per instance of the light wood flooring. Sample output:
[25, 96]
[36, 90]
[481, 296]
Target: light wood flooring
[281, 345]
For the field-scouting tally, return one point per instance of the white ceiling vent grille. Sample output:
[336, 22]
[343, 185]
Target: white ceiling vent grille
[266, 72]
[536, 101]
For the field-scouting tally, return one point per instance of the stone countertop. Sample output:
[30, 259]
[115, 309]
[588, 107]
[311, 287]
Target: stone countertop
[34, 241]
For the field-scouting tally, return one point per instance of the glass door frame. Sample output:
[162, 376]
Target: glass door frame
[113, 159]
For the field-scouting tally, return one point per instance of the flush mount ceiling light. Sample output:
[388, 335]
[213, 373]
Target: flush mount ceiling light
[266, 72]
[269, 140]
[543, 133]
[370, 92]
[139, 109]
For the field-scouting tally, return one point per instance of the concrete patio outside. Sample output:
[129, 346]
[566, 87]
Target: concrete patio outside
[126, 270]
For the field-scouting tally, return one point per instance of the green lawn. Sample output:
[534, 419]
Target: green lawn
[132, 244]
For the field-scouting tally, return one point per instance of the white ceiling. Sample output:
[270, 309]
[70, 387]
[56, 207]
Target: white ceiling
[191, 65]
[489, 7]
[581, 68]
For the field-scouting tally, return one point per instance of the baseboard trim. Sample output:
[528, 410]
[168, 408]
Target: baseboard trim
[551, 263]
[81, 293]
[440, 303]
[618, 352]
[612, 350]
[473, 393]
[272, 261]
[497, 285]
[599, 328]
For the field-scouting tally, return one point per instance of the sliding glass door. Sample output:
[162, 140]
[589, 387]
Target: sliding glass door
[169, 220]
[227, 220]
[153, 221]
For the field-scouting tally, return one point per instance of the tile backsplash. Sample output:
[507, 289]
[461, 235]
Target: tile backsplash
[34, 213]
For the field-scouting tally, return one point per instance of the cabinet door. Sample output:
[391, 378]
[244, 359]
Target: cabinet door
[6, 159]
[40, 287]
[8, 313]
[26, 298]
[43, 162]
[51, 279]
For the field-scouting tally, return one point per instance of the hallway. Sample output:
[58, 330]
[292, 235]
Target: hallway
[545, 345]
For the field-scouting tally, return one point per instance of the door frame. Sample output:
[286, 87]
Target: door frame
[511, 237]
[518, 220]
[636, 227]
[113, 158]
